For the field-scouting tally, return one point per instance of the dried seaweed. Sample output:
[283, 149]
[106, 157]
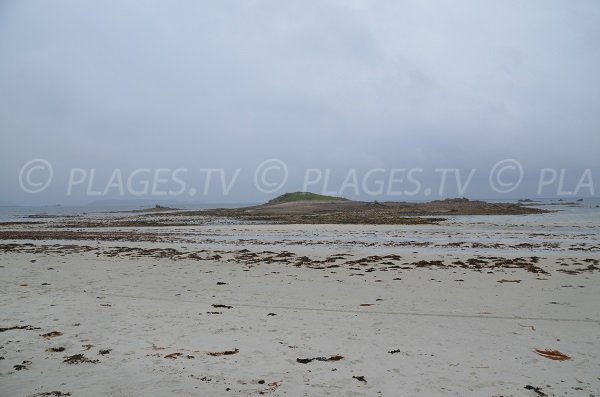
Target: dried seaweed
[222, 306]
[224, 353]
[25, 327]
[51, 335]
[552, 354]
[537, 390]
[308, 360]
[360, 378]
[78, 359]
[55, 349]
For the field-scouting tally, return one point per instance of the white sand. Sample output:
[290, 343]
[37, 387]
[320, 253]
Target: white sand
[459, 338]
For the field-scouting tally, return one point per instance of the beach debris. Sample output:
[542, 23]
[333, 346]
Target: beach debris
[87, 347]
[330, 358]
[22, 366]
[527, 326]
[537, 390]
[360, 379]
[104, 351]
[272, 386]
[394, 351]
[78, 359]
[25, 327]
[222, 306]
[552, 354]
[173, 356]
[54, 393]
[55, 349]
[366, 304]
[509, 281]
[51, 335]
[271, 314]
[214, 312]
[224, 353]
[221, 283]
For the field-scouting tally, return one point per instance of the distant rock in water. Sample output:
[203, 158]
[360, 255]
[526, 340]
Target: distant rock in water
[156, 208]
[457, 200]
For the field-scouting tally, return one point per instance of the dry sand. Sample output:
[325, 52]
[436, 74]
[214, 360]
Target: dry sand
[145, 315]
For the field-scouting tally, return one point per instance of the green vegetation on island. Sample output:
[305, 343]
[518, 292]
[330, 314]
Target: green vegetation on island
[304, 196]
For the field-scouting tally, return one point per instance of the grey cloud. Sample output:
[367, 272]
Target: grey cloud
[319, 84]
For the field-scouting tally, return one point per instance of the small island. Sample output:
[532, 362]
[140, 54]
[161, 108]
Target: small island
[311, 208]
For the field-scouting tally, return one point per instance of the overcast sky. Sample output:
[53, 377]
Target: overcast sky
[318, 84]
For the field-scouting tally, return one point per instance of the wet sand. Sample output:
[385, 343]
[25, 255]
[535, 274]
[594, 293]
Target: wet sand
[433, 310]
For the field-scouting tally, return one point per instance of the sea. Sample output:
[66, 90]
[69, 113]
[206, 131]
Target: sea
[14, 213]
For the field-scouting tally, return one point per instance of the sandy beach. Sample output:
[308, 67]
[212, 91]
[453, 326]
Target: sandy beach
[308, 198]
[453, 309]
